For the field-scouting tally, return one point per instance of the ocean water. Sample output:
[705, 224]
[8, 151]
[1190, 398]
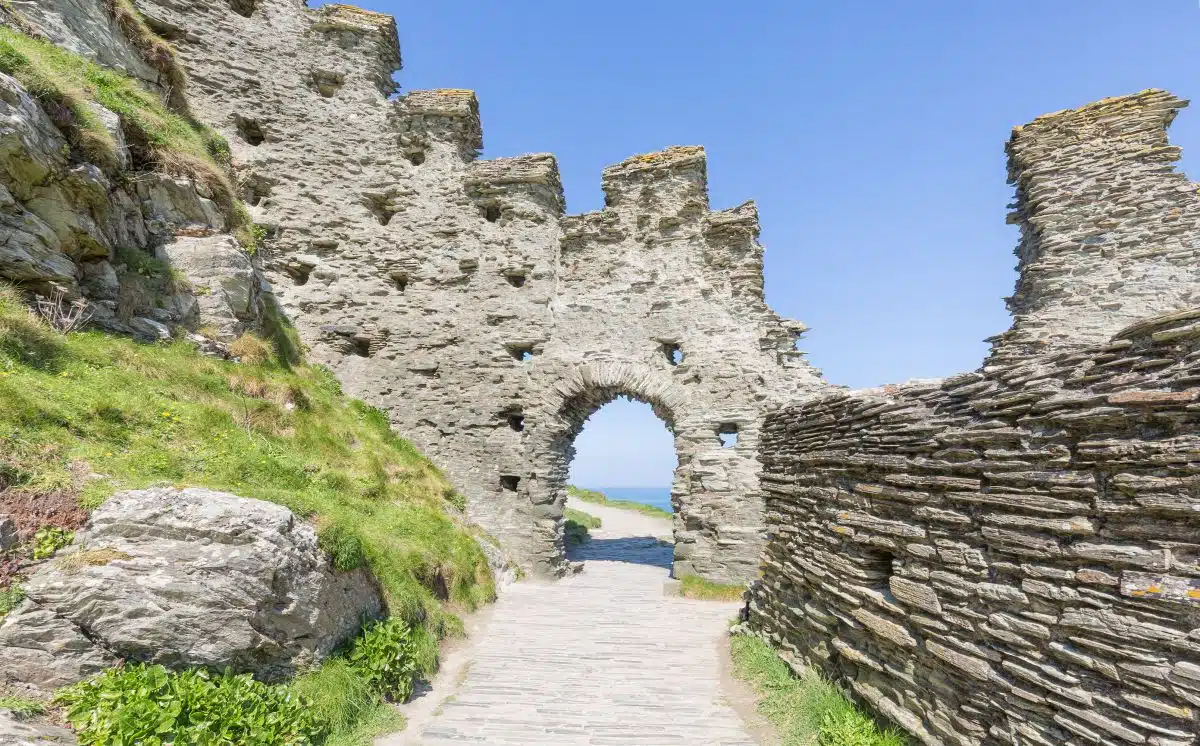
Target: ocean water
[659, 497]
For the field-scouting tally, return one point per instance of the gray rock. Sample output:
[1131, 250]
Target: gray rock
[222, 277]
[172, 204]
[18, 732]
[112, 123]
[185, 577]
[8, 533]
[100, 280]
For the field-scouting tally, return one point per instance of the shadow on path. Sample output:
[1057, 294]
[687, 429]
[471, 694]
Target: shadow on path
[638, 550]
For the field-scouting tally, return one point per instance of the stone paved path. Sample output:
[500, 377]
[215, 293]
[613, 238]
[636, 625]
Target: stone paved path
[602, 657]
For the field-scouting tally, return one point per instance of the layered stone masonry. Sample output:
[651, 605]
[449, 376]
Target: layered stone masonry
[454, 293]
[1011, 556]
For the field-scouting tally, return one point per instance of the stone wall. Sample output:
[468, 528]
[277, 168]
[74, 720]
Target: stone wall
[1013, 555]
[453, 292]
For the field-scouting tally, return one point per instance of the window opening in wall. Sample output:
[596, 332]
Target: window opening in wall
[510, 482]
[516, 422]
[400, 281]
[521, 352]
[243, 7]
[468, 265]
[362, 347]
[249, 130]
[728, 434]
[516, 279]
[876, 565]
[491, 213]
[416, 157]
[299, 272]
[327, 82]
[673, 352]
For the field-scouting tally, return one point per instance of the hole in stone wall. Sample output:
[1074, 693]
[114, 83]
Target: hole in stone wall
[510, 482]
[468, 265]
[362, 347]
[876, 565]
[381, 206]
[727, 433]
[521, 352]
[673, 352]
[516, 279]
[327, 82]
[299, 272]
[515, 420]
[243, 7]
[249, 130]
[400, 280]
[166, 31]
[415, 157]
[491, 213]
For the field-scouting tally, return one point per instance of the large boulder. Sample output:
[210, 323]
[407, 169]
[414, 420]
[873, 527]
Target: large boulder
[17, 732]
[222, 278]
[185, 577]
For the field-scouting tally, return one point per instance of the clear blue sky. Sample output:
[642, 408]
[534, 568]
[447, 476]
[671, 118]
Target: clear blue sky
[870, 133]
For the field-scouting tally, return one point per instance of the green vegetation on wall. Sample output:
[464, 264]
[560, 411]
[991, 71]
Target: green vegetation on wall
[576, 525]
[808, 710]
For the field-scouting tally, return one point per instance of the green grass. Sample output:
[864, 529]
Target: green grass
[22, 706]
[339, 696]
[808, 710]
[591, 496]
[577, 524]
[158, 137]
[143, 415]
[694, 586]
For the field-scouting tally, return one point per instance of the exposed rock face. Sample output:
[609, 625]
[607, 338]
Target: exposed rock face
[1010, 556]
[185, 578]
[453, 292]
[72, 227]
[8, 533]
[14, 732]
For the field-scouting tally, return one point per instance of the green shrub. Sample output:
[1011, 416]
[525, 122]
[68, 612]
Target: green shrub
[385, 656]
[50, 539]
[151, 706]
[10, 598]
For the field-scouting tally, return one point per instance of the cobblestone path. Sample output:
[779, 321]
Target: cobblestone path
[602, 657]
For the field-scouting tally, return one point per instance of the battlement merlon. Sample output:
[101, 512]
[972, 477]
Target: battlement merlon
[678, 173]
[443, 114]
[376, 28]
[535, 175]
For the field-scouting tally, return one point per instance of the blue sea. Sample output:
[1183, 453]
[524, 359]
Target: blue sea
[659, 497]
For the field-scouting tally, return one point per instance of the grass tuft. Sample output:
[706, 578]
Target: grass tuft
[599, 498]
[808, 710]
[694, 586]
[577, 524]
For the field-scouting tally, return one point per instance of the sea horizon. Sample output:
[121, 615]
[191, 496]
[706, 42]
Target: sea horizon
[658, 497]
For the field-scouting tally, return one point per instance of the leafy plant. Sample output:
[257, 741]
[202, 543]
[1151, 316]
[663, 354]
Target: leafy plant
[50, 539]
[10, 598]
[385, 656]
[151, 706]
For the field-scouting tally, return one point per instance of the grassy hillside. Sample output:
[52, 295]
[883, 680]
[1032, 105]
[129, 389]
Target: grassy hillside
[88, 414]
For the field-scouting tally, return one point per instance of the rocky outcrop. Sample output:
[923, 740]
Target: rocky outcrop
[185, 578]
[77, 228]
[1010, 556]
[16, 732]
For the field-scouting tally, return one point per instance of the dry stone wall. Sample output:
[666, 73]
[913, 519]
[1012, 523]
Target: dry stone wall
[453, 292]
[1012, 556]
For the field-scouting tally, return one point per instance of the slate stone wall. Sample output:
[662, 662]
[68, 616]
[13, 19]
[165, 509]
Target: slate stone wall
[1012, 556]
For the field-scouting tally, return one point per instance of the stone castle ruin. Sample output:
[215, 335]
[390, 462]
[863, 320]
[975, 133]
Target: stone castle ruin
[454, 293]
[1008, 556]
[1012, 556]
